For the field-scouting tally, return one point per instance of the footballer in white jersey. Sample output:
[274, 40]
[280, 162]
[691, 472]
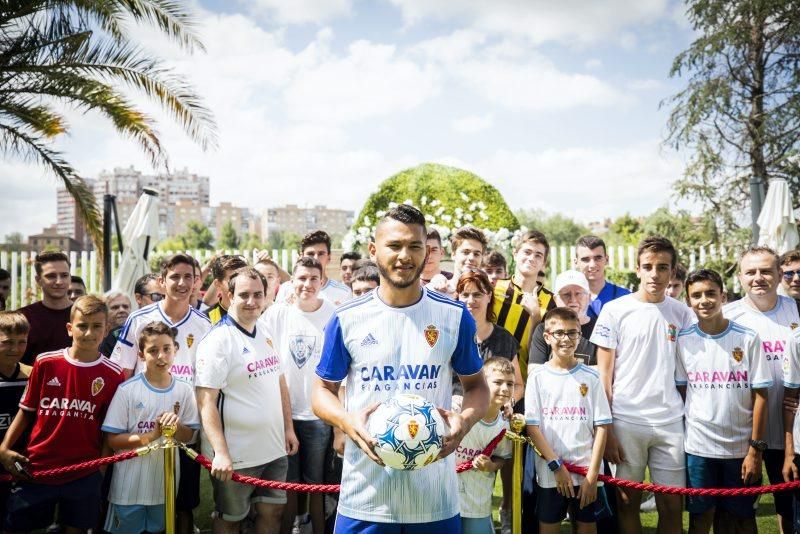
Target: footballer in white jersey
[774, 329]
[719, 373]
[334, 291]
[191, 329]
[400, 338]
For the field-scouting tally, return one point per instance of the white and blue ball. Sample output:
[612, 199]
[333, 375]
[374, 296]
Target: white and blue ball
[409, 431]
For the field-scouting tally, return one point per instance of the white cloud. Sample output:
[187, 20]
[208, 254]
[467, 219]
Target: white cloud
[593, 64]
[644, 85]
[570, 21]
[28, 198]
[301, 11]
[473, 123]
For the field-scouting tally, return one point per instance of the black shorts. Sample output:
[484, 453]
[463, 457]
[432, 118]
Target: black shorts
[188, 497]
[552, 507]
[32, 506]
[773, 462]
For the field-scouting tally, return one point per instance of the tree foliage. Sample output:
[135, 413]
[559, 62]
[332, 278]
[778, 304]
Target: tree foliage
[196, 236]
[228, 239]
[739, 114]
[559, 229]
[82, 54]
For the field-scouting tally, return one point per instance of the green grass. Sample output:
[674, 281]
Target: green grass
[765, 516]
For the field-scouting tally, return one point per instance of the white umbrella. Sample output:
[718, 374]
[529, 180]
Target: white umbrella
[137, 238]
[776, 222]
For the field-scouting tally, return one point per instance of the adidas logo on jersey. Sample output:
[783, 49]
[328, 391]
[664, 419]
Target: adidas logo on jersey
[369, 340]
[54, 382]
[139, 405]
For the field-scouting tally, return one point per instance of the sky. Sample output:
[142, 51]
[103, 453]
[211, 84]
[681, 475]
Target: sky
[557, 104]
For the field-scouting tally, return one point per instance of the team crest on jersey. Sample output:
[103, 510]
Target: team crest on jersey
[793, 326]
[189, 340]
[672, 332]
[584, 390]
[302, 349]
[738, 354]
[269, 342]
[413, 428]
[97, 385]
[431, 335]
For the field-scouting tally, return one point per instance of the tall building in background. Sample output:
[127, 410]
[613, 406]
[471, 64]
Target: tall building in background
[294, 219]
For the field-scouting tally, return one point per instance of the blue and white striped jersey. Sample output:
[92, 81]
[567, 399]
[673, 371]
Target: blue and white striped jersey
[380, 351]
[191, 330]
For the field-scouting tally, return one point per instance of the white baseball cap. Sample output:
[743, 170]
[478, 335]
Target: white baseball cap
[571, 278]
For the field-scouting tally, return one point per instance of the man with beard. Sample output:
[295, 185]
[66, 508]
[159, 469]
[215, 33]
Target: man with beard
[368, 342]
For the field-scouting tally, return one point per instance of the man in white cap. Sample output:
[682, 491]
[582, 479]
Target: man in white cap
[571, 291]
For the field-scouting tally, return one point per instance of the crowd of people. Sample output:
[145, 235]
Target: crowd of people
[274, 374]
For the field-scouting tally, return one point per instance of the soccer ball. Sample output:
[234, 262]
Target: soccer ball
[409, 431]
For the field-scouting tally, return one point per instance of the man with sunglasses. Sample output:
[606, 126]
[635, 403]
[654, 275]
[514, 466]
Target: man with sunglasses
[790, 270]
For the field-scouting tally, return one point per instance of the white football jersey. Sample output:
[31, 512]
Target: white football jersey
[135, 408]
[719, 373]
[334, 291]
[191, 330]
[774, 328]
[246, 370]
[643, 335]
[298, 337]
[380, 351]
[475, 487]
[566, 406]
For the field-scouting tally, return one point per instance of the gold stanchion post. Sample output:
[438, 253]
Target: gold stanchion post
[517, 426]
[170, 449]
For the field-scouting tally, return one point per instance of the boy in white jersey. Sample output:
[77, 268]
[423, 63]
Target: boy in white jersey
[635, 337]
[317, 245]
[567, 414]
[773, 317]
[245, 409]
[140, 409]
[722, 374]
[297, 329]
[176, 281]
[400, 337]
[475, 486]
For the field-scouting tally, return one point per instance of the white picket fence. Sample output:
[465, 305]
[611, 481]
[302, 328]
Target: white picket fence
[85, 265]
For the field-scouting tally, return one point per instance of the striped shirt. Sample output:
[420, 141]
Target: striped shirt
[135, 408]
[566, 406]
[774, 329]
[513, 317]
[191, 329]
[719, 373]
[380, 351]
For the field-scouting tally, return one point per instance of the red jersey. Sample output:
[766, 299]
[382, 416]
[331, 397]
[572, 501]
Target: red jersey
[70, 400]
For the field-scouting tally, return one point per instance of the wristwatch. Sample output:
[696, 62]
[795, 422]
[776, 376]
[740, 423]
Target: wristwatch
[555, 464]
[758, 444]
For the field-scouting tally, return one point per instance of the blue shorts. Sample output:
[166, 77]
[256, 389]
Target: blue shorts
[32, 506]
[552, 507]
[346, 525]
[308, 465]
[135, 518]
[477, 525]
[704, 472]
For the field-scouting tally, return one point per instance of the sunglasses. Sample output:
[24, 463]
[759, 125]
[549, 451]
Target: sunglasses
[788, 275]
[155, 297]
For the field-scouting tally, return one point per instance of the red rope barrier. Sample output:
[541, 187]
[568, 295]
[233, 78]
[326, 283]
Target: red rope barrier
[702, 492]
[329, 488]
[83, 466]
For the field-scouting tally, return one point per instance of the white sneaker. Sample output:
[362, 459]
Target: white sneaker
[649, 505]
[505, 521]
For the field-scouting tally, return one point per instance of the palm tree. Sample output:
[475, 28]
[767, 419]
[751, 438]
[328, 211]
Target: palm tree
[80, 53]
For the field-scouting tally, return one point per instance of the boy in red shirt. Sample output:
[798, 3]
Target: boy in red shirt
[65, 402]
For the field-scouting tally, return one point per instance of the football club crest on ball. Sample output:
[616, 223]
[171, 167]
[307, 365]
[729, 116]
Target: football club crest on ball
[672, 332]
[738, 354]
[189, 340]
[413, 428]
[431, 335]
[584, 390]
[97, 385]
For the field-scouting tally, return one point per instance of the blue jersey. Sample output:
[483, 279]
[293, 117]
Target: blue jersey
[607, 294]
[380, 351]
